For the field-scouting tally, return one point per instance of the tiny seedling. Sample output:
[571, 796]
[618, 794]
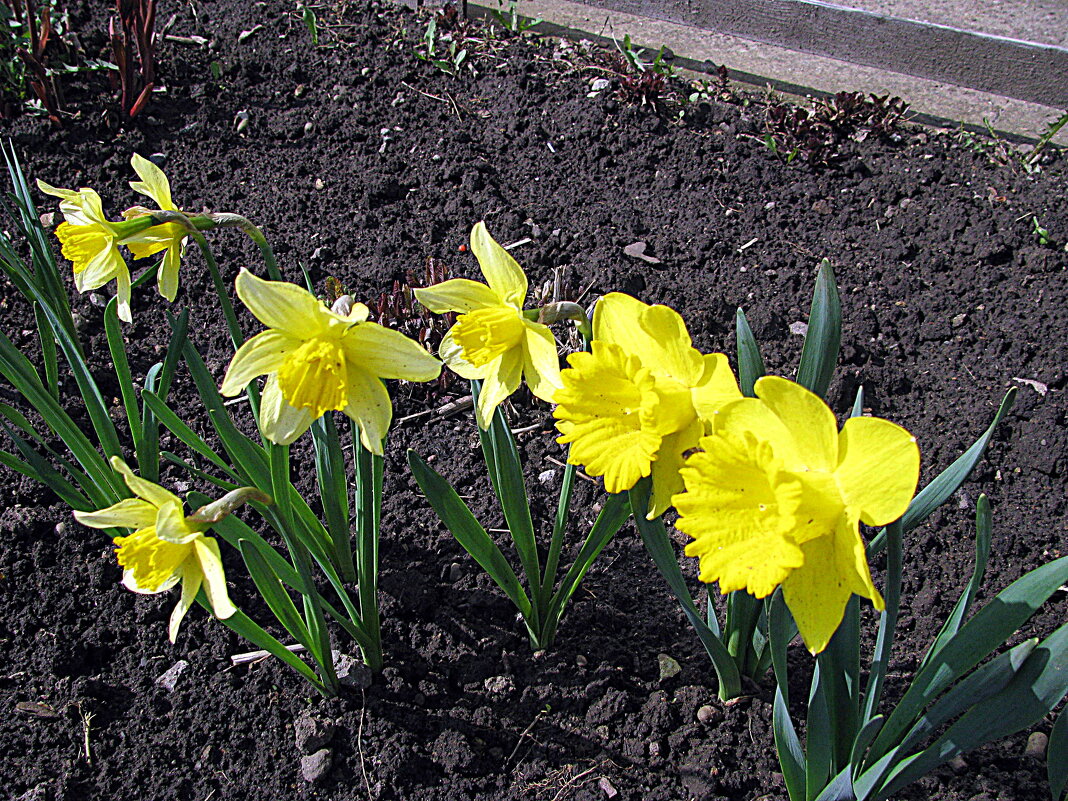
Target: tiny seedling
[510, 19]
[311, 23]
[1040, 233]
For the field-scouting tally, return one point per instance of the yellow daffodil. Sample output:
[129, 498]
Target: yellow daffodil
[492, 339]
[169, 236]
[91, 242]
[641, 398]
[317, 360]
[776, 493]
[165, 547]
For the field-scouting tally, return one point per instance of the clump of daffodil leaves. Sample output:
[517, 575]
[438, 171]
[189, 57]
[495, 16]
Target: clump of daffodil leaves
[782, 505]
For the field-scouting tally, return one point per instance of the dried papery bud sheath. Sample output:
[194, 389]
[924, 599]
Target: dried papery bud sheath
[566, 310]
[342, 306]
[212, 513]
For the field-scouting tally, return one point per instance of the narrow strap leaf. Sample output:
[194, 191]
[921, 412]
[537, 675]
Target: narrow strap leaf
[819, 356]
[1057, 757]
[457, 517]
[117, 348]
[750, 362]
[788, 747]
[272, 591]
[884, 639]
[657, 543]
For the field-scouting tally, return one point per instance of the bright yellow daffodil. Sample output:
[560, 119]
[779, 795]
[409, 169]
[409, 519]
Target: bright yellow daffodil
[317, 360]
[91, 242]
[641, 398]
[492, 339]
[169, 236]
[776, 493]
[165, 547]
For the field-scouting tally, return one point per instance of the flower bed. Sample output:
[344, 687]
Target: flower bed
[361, 161]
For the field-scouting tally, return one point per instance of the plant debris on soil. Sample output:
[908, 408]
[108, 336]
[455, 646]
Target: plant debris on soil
[362, 161]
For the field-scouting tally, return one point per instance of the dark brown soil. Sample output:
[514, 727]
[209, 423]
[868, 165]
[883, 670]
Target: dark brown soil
[948, 300]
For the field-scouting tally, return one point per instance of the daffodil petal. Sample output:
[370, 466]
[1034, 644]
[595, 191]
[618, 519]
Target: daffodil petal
[667, 348]
[717, 386]
[172, 527]
[142, 250]
[452, 354]
[191, 581]
[541, 361]
[389, 354]
[129, 513]
[615, 320]
[206, 550]
[667, 480]
[810, 421]
[503, 273]
[153, 183]
[739, 509]
[280, 422]
[878, 468]
[370, 407]
[142, 488]
[457, 295]
[751, 415]
[262, 354]
[608, 447]
[168, 272]
[499, 383]
[277, 304]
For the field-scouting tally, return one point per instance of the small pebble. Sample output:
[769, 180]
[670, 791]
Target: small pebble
[319, 183]
[1036, 745]
[958, 765]
[300, 90]
[61, 527]
[312, 733]
[98, 300]
[455, 572]
[600, 84]
[607, 787]
[709, 715]
[581, 661]
[309, 128]
[546, 476]
[169, 680]
[799, 328]
[315, 767]
[668, 667]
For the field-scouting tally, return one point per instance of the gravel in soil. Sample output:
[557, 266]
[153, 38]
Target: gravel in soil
[360, 162]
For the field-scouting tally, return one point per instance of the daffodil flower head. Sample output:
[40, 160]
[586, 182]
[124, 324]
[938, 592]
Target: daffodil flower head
[91, 242]
[318, 360]
[492, 339]
[775, 496]
[165, 548]
[641, 397]
[170, 237]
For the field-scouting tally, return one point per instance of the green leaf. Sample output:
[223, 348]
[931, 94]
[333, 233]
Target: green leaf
[611, 518]
[788, 747]
[49, 356]
[189, 437]
[272, 591]
[987, 629]
[117, 348]
[983, 524]
[947, 482]
[158, 380]
[457, 517]
[512, 494]
[1056, 764]
[657, 543]
[1036, 688]
[333, 491]
[750, 363]
[43, 472]
[884, 639]
[819, 735]
[824, 338]
[369, 475]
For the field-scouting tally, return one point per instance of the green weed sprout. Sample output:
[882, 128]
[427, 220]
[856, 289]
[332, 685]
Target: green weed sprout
[495, 344]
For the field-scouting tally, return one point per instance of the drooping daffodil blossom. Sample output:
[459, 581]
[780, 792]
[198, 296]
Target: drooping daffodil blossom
[775, 494]
[91, 242]
[318, 360]
[493, 340]
[170, 237]
[166, 547]
[641, 397]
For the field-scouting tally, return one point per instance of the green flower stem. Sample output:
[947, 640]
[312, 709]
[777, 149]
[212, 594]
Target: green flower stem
[228, 220]
[552, 561]
[313, 611]
[368, 516]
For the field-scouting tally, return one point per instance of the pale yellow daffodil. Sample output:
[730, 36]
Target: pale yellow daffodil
[91, 242]
[641, 398]
[493, 340]
[776, 493]
[168, 236]
[318, 360]
[165, 547]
